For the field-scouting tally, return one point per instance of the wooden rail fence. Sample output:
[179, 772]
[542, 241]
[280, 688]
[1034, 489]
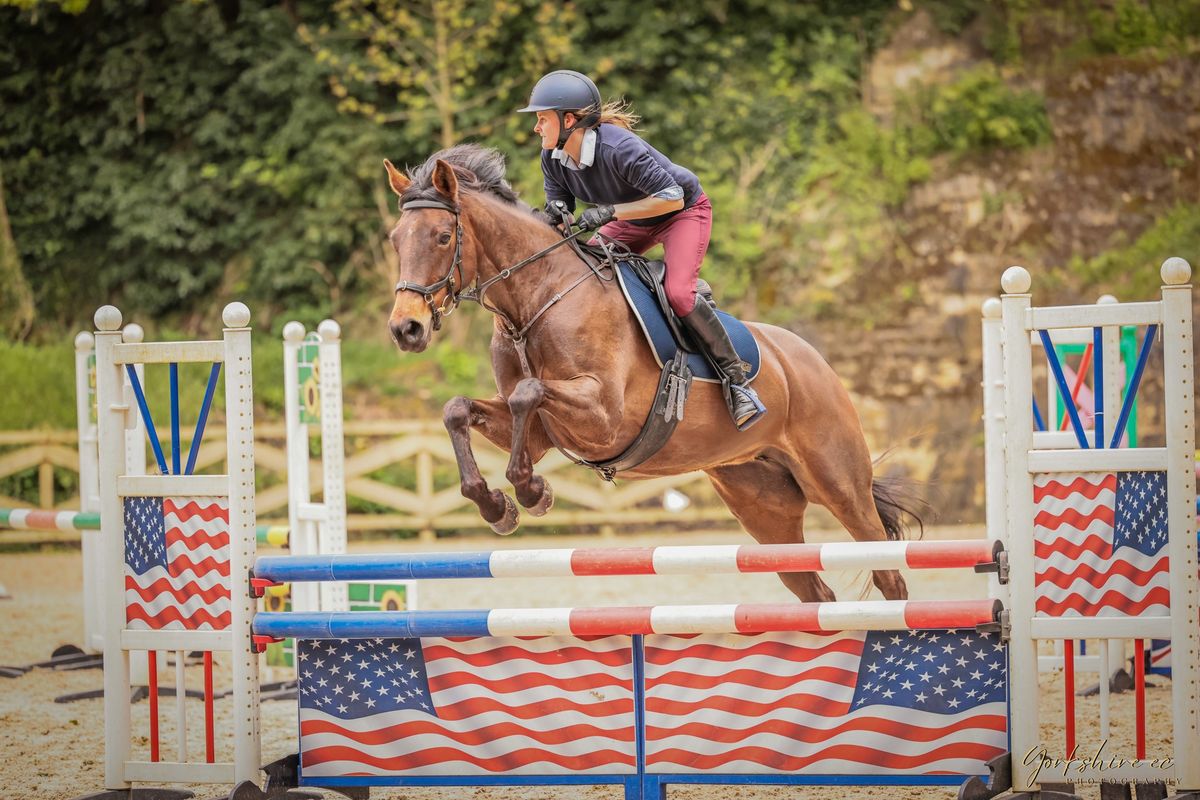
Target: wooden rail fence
[400, 476]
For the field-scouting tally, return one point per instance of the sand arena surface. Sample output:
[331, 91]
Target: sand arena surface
[55, 751]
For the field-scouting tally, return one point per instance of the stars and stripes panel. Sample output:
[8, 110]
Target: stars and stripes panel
[435, 706]
[873, 703]
[177, 563]
[1100, 544]
[1160, 654]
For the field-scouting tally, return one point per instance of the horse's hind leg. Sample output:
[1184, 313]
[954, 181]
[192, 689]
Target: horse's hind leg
[769, 503]
[857, 518]
[841, 480]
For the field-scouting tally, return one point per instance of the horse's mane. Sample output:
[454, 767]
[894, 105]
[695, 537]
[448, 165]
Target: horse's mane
[477, 168]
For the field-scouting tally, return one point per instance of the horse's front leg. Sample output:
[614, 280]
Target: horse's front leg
[494, 419]
[532, 490]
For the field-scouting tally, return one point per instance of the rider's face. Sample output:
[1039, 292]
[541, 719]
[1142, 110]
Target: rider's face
[547, 127]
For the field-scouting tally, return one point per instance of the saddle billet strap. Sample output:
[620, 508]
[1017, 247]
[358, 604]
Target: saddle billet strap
[665, 414]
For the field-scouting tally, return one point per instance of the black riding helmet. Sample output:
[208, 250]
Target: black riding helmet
[566, 90]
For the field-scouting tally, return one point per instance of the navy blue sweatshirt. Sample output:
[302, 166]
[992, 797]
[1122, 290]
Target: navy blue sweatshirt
[625, 169]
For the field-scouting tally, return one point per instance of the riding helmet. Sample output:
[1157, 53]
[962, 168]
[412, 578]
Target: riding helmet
[563, 90]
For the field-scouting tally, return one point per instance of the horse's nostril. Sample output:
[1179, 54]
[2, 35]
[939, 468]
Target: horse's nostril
[407, 331]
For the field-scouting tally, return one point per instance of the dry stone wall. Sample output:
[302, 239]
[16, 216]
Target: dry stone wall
[1123, 153]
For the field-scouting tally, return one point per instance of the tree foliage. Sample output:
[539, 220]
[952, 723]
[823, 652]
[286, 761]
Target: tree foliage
[16, 300]
[184, 153]
[170, 161]
[444, 69]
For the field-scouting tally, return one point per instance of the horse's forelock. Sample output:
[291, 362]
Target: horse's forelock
[477, 168]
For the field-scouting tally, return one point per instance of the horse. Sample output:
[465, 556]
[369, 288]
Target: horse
[566, 346]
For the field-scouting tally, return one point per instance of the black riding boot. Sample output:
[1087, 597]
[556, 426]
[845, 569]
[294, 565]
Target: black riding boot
[709, 333]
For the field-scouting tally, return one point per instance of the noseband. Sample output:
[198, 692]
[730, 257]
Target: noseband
[454, 292]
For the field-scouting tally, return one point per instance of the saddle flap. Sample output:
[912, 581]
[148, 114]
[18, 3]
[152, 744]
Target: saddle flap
[663, 340]
[653, 274]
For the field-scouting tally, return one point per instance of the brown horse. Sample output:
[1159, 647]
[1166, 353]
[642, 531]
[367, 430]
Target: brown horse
[589, 374]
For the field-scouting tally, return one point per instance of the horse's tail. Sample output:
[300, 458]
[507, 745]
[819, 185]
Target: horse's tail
[897, 501]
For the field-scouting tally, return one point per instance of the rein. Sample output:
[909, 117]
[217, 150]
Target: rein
[455, 295]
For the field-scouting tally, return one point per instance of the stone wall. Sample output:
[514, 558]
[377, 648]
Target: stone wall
[1123, 152]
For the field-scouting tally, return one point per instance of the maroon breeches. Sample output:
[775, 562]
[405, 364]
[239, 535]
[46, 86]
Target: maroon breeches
[684, 238]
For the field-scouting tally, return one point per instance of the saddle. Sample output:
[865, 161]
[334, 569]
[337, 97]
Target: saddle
[641, 282]
[654, 275]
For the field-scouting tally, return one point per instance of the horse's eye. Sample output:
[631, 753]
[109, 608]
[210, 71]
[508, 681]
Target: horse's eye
[444, 238]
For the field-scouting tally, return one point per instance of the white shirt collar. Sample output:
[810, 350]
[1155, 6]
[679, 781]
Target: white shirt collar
[587, 152]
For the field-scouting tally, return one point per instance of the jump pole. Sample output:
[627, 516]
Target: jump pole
[866, 615]
[983, 555]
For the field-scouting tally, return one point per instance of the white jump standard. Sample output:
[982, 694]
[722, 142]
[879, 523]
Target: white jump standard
[866, 693]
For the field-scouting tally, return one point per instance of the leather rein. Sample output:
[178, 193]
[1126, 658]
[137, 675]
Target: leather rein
[457, 292]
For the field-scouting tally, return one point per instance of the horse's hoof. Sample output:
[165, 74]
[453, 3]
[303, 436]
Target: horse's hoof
[543, 505]
[512, 517]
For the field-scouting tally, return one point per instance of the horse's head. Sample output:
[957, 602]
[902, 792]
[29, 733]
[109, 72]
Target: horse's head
[428, 244]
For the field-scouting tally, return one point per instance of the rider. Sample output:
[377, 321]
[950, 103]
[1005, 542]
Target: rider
[640, 198]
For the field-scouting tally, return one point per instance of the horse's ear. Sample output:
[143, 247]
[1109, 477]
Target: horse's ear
[445, 181]
[397, 179]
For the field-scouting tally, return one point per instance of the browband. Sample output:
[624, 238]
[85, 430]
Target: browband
[429, 204]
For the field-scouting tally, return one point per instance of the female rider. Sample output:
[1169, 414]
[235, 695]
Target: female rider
[639, 198]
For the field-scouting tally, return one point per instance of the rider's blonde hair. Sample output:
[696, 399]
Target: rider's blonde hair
[615, 112]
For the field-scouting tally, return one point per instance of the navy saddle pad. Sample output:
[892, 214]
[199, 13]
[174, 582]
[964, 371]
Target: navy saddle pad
[658, 335]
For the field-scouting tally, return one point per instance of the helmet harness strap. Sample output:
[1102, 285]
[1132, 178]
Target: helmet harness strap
[564, 132]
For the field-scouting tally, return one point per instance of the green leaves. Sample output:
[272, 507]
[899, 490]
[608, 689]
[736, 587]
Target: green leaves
[1133, 265]
[169, 161]
[173, 162]
[979, 111]
[444, 70]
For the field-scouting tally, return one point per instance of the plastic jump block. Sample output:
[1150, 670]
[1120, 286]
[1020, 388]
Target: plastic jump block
[273, 535]
[891, 615]
[631, 561]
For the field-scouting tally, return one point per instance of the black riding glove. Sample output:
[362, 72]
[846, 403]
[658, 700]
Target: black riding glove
[554, 212]
[596, 216]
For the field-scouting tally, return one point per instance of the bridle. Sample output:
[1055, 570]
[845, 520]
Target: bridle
[457, 292]
[454, 296]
